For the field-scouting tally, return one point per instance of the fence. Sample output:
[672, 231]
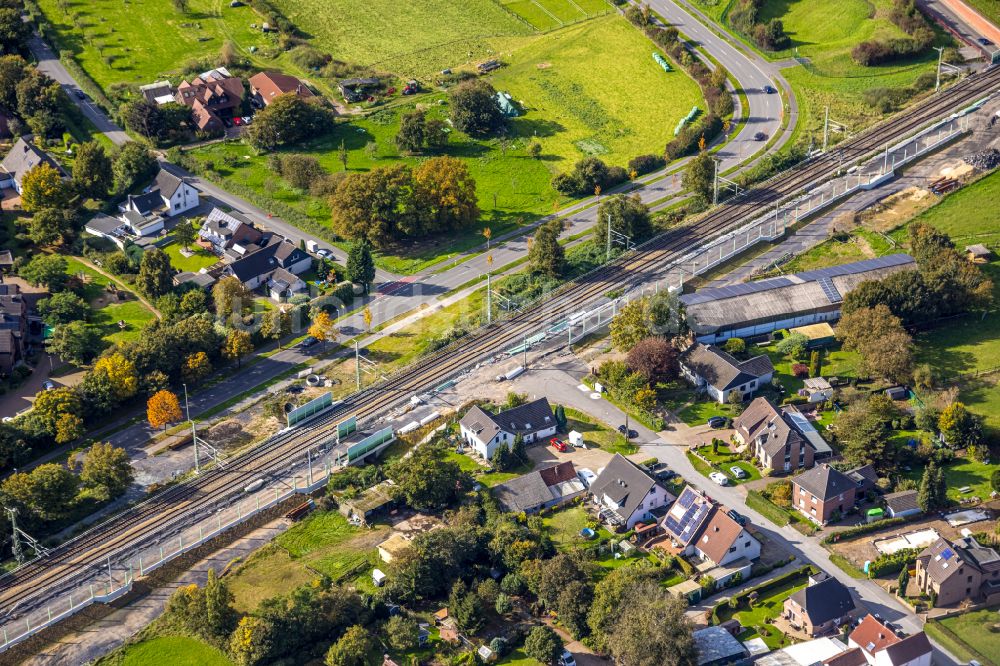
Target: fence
[117, 578]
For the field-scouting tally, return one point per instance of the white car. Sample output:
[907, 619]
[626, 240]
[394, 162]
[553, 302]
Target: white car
[719, 478]
[567, 659]
[323, 252]
[738, 472]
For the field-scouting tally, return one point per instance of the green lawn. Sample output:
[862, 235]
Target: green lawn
[518, 658]
[564, 527]
[764, 611]
[952, 215]
[173, 651]
[559, 79]
[200, 259]
[597, 435]
[976, 629]
[322, 544]
[107, 312]
[963, 472]
[141, 41]
[699, 412]
[726, 459]
[988, 8]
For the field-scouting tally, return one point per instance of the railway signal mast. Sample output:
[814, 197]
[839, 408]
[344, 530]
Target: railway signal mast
[616, 237]
[18, 535]
[828, 125]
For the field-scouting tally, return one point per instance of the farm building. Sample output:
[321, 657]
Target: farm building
[800, 299]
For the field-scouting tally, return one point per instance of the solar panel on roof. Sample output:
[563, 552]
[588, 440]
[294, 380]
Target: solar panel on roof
[731, 291]
[830, 290]
[947, 553]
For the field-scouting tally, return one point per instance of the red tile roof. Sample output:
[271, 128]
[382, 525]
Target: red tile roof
[872, 636]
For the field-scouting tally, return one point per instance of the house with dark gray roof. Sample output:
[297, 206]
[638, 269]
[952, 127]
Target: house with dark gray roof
[275, 266]
[777, 437]
[719, 374]
[540, 489]
[823, 493]
[821, 607]
[959, 570]
[763, 306]
[168, 195]
[22, 158]
[484, 431]
[13, 327]
[625, 494]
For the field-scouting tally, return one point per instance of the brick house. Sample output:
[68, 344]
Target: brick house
[821, 607]
[822, 492]
[211, 96]
[960, 570]
[265, 86]
[774, 437]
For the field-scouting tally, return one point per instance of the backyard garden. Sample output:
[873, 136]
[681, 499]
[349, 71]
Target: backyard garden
[761, 605]
[106, 309]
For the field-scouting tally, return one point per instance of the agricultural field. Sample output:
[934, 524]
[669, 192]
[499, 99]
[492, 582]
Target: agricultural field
[560, 81]
[822, 34]
[549, 14]
[975, 628]
[141, 41]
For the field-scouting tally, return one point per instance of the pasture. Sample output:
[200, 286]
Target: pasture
[141, 41]
[560, 81]
[173, 651]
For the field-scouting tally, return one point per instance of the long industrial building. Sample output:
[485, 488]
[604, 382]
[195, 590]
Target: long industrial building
[757, 308]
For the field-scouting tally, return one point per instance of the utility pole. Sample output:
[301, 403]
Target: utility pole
[608, 258]
[489, 290]
[826, 129]
[940, 50]
[357, 364]
[194, 434]
[16, 543]
[715, 194]
[524, 358]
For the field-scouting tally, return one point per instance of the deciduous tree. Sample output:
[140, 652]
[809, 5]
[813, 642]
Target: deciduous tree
[238, 344]
[43, 187]
[232, 299]
[51, 226]
[351, 649]
[155, 273]
[886, 349]
[628, 215]
[276, 324]
[655, 359]
[106, 469]
[68, 428]
[699, 177]
[445, 197]
[412, 132]
[162, 409]
[63, 308]
[48, 490]
[288, 119]
[474, 108]
[630, 325]
[76, 342]
[543, 644]
[92, 171]
[427, 479]
[132, 164]
[48, 270]
[960, 427]
[652, 629]
[197, 366]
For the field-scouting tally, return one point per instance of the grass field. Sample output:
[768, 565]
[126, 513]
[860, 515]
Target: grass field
[959, 214]
[141, 41]
[173, 651]
[200, 259]
[548, 14]
[322, 544]
[963, 472]
[988, 8]
[974, 628]
[560, 80]
[106, 312]
[823, 34]
[766, 609]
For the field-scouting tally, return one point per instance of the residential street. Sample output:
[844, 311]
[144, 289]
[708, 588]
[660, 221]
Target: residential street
[559, 379]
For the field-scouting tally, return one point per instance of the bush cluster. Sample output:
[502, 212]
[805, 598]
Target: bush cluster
[908, 19]
[587, 175]
[770, 36]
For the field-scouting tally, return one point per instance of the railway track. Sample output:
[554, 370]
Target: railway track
[81, 558]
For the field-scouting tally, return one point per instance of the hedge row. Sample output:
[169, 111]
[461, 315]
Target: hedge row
[891, 563]
[861, 529]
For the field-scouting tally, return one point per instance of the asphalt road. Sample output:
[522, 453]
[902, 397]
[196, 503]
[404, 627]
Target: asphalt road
[558, 379]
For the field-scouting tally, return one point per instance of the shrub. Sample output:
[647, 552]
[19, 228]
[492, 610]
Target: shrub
[800, 370]
[643, 164]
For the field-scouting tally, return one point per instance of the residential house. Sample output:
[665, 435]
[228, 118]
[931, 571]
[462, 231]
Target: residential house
[223, 232]
[265, 86]
[176, 193]
[756, 308]
[211, 96]
[780, 439]
[823, 494]
[22, 158]
[718, 647]
[13, 327]
[276, 267]
[6, 262]
[697, 527]
[820, 608]
[484, 431]
[717, 373]
[816, 389]
[540, 489]
[902, 504]
[626, 494]
[865, 479]
[959, 570]
[881, 646]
